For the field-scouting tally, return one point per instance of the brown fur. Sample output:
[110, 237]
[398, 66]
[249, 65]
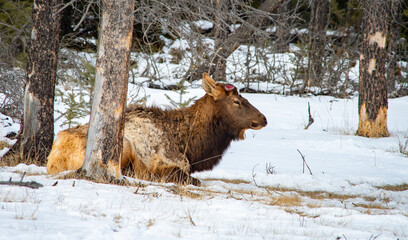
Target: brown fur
[170, 144]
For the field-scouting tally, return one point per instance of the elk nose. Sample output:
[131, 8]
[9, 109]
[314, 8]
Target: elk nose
[263, 121]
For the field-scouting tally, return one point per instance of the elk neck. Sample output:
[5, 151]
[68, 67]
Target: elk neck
[203, 133]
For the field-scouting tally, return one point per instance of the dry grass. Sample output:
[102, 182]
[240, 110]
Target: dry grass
[177, 55]
[274, 196]
[10, 159]
[318, 195]
[300, 213]
[369, 198]
[13, 158]
[314, 204]
[150, 223]
[117, 218]
[233, 181]
[377, 206]
[395, 188]
[183, 191]
[102, 178]
[287, 200]
[178, 189]
[4, 145]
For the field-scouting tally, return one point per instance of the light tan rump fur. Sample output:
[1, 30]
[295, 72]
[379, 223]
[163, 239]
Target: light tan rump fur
[68, 150]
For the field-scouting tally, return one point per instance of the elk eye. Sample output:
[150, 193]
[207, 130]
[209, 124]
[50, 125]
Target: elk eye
[237, 102]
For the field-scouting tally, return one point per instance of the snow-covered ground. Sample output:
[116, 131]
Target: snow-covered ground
[258, 191]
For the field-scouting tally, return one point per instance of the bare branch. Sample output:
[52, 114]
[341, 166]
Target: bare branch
[31, 184]
[311, 119]
[84, 15]
[304, 163]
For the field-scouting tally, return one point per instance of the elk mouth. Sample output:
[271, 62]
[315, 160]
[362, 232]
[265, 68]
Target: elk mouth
[242, 133]
[254, 125]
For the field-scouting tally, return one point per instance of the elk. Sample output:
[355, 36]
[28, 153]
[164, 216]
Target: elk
[169, 145]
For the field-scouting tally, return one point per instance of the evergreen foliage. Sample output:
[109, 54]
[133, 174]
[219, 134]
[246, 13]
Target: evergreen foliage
[181, 90]
[78, 93]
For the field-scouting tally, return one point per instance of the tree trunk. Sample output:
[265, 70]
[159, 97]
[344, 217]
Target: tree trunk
[317, 41]
[105, 134]
[394, 34]
[283, 27]
[38, 121]
[241, 35]
[373, 101]
[220, 35]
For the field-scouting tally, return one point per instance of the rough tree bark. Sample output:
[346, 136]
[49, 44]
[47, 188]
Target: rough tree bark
[393, 36]
[373, 100]
[105, 134]
[220, 34]
[38, 121]
[319, 20]
[241, 35]
[283, 27]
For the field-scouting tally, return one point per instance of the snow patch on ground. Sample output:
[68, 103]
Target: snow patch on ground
[345, 198]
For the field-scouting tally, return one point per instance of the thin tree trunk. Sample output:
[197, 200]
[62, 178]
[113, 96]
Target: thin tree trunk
[394, 34]
[317, 41]
[373, 100]
[220, 35]
[241, 35]
[283, 27]
[38, 121]
[105, 134]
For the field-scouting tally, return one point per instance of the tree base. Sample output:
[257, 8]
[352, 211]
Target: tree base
[102, 177]
[373, 128]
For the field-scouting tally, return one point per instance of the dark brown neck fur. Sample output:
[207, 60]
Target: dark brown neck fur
[200, 127]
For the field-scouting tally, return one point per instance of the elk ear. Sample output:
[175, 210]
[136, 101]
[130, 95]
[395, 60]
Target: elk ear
[210, 86]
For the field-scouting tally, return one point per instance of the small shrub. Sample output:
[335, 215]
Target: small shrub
[77, 107]
[181, 90]
[177, 55]
[270, 169]
[12, 92]
[77, 92]
[403, 146]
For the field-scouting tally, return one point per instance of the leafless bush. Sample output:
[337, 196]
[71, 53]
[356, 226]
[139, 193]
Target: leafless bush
[403, 146]
[12, 92]
[223, 24]
[270, 169]
[213, 30]
[400, 84]
[15, 23]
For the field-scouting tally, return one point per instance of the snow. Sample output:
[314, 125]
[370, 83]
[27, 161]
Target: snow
[7, 126]
[203, 24]
[349, 173]
[260, 189]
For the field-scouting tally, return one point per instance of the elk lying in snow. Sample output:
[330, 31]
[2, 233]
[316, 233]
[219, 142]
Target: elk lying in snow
[169, 145]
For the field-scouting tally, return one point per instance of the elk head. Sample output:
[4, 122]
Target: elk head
[232, 108]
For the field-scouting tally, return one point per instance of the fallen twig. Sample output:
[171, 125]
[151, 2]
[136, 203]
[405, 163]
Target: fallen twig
[31, 184]
[20, 183]
[304, 163]
[311, 119]
[253, 179]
